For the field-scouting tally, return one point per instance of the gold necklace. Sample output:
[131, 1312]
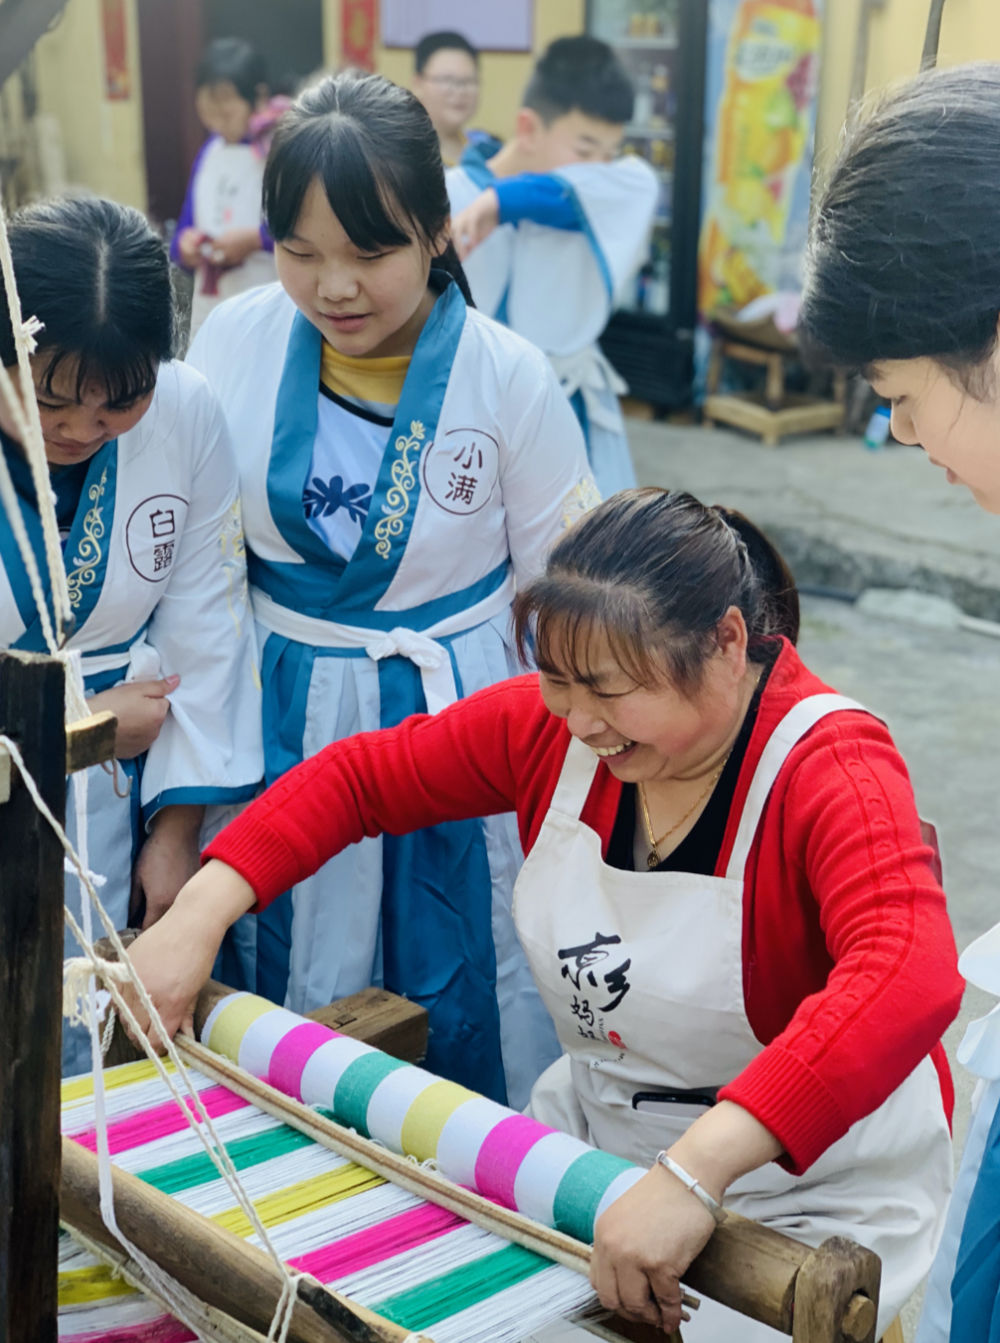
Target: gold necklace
[653, 857]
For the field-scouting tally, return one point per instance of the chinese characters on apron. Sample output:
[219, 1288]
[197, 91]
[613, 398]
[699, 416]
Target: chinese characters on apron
[643, 975]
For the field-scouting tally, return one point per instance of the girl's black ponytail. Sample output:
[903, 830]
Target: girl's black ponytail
[448, 261]
[778, 603]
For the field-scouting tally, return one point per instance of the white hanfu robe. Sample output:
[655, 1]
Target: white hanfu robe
[481, 470]
[157, 581]
[225, 193]
[558, 287]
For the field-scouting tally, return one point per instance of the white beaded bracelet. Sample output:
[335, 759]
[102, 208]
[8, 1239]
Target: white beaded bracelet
[701, 1194]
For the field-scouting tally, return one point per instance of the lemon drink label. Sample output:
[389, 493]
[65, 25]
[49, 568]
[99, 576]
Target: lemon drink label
[762, 148]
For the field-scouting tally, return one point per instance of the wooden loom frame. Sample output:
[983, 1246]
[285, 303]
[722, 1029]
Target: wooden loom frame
[826, 1295]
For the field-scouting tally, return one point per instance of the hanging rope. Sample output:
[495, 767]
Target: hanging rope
[23, 413]
[113, 975]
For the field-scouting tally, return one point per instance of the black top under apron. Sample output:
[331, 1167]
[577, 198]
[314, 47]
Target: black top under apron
[698, 851]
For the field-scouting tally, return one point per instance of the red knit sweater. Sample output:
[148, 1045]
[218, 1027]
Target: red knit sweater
[849, 963]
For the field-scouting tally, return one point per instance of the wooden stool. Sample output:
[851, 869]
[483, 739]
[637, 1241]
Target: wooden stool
[774, 413]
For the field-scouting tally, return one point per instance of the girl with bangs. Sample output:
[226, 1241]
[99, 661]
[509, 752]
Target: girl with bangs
[404, 462]
[147, 505]
[727, 903]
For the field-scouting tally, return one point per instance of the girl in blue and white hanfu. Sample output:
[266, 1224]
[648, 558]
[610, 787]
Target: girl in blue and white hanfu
[404, 461]
[148, 510]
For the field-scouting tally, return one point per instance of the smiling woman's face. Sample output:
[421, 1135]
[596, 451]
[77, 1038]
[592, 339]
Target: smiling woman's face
[958, 431]
[653, 733]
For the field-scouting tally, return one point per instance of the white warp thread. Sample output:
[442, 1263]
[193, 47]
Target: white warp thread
[24, 413]
[198, 1120]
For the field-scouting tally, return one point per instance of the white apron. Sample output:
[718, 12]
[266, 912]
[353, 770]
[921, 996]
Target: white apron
[227, 195]
[643, 975]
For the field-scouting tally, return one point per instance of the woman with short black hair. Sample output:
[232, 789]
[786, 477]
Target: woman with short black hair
[726, 903]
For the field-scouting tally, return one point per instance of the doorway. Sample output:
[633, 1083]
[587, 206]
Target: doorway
[172, 36]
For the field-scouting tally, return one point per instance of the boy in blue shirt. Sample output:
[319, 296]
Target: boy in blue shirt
[553, 226]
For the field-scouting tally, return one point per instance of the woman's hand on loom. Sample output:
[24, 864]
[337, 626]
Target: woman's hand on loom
[647, 1238]
[174, 957]
[643, 1244]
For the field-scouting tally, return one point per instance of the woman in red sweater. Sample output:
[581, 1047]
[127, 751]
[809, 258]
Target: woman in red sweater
[726, 902]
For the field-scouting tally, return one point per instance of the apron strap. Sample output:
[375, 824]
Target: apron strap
[575, 778]
[792, 728]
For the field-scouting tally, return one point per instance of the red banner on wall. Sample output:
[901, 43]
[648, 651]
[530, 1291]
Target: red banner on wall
[358, 20]
[117, 83]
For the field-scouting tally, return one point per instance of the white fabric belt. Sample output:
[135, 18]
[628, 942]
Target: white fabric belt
[589, 371]
[419, 646]
[142, 660]
[95, 663]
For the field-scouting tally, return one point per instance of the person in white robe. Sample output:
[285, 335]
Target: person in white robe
[553, 227]
[404, 462]
[147, 502]
[220, 235]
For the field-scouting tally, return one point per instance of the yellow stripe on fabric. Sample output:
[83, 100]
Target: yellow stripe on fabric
[428, 1115]
[233, 1022]
[306, 1196]
[126, 1074]
[81, 1286]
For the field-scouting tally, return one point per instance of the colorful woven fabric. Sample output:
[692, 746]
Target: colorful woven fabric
[513, 1160]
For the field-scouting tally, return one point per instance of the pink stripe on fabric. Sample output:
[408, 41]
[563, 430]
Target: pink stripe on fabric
[361, 1249]
[505, 1147]
[291, 1054]
[157, 1122]
[164, 1329]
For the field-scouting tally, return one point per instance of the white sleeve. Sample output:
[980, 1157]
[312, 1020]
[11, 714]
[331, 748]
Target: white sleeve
[565, 284]
[488, 267]
[545, 477]
[207, 352]
[209, 749]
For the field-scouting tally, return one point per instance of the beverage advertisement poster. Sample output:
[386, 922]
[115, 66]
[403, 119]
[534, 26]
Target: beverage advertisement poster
[760, 114]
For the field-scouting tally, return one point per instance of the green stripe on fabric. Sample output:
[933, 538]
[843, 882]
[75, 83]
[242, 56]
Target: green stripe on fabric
[580, 1191]
[189, 1171]
[420, 1307]
[354, 1090]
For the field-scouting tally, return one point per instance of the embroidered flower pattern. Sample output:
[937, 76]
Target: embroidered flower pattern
[323, 498]
[232, 548]
[397, 497]
[88, 552]
[581, 499]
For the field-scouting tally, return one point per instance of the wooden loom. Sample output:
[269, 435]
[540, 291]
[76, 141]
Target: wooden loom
[826, 1295]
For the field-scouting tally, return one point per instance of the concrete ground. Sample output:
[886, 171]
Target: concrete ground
[844, 516]
[849, 519]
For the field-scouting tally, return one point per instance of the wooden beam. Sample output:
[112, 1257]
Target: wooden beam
[90, 741]
[220, 1268]
[31, 945]
[932, 36]
[375, 1016]
[22, 23]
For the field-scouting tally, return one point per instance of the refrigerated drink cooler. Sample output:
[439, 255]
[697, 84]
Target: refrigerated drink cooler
[662, 43]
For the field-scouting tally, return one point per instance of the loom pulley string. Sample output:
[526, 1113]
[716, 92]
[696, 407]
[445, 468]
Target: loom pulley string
[22, 412]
